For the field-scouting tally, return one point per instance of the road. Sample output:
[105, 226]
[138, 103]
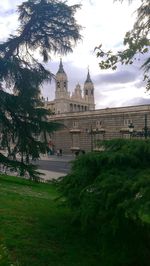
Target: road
[60, 164]
[52, 167]
[55, 166]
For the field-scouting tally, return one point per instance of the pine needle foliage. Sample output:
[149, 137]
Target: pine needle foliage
[45, 27]
[110, 195]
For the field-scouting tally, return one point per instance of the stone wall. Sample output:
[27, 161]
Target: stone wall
[82, 130]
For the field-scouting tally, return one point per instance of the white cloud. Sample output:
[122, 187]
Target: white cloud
[104, 22]
[9, 4]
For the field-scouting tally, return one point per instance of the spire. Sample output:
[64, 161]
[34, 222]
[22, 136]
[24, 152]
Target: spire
[88, 79]
[61, 69]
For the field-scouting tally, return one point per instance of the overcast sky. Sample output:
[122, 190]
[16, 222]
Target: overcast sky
[104, 22]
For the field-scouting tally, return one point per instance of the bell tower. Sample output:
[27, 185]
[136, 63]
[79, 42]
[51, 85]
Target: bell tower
[89, 92]
[61, 83]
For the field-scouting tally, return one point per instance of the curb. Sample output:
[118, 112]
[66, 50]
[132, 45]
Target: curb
[49, 175]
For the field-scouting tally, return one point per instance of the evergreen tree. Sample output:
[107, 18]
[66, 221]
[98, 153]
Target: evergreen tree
[45, 26]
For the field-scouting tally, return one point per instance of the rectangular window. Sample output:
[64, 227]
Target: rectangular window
[75, 124]
[127, 122]
[98, 124]
[76, 140]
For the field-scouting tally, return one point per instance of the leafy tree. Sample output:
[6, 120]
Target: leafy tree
[109, 193]
[45, 26]
[136, 43]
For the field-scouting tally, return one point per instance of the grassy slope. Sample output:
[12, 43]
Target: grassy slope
[36, 228]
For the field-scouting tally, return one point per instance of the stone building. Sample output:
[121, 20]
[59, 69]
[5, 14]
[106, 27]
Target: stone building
[65, 102]
[83, 125]
[83, 130]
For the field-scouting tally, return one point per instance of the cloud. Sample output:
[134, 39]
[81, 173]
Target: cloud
[137, 101]
[103, 22]
[114, 89]
[116, 77]
[9, 4]
[7, 13]
[108, 103]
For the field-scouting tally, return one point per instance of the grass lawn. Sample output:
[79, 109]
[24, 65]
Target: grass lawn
[36, 228]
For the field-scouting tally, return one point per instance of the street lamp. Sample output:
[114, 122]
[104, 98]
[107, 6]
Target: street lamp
[145, 127]
[131, 129]
[90, 131]
[93, 132]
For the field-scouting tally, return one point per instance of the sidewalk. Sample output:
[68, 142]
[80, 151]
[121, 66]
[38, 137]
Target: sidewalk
[64, 157]
[50, 175]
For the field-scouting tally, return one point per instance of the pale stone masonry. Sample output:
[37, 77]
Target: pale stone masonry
[79, 101]
[83, 125]
[82, 130]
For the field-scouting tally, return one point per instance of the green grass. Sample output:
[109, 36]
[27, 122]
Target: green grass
[36, 228]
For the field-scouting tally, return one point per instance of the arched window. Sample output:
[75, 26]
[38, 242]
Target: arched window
[58, 84]
[86, 92]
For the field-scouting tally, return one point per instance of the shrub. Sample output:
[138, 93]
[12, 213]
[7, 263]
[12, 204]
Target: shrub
[110, 195]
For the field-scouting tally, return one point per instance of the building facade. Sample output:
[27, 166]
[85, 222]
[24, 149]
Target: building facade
[79, 101]
[83, 126]
[83, 130]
